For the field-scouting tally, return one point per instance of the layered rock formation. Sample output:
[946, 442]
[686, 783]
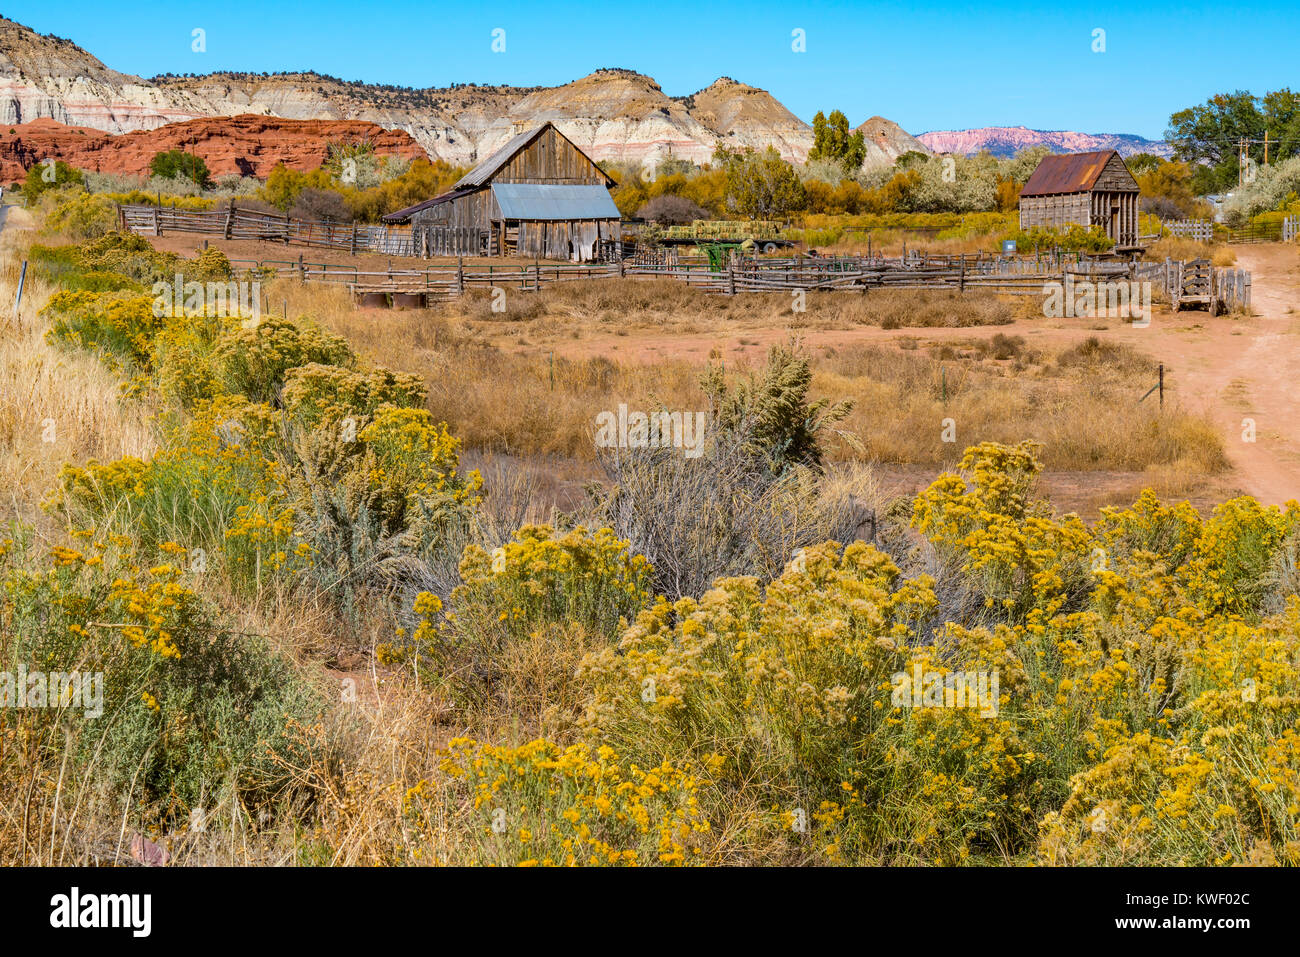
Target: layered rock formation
[1009, 140]
[52, 78]
[246, 145]
[887, 141]
[613, 114]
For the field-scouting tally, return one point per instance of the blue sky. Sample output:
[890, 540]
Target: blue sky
[926, 65]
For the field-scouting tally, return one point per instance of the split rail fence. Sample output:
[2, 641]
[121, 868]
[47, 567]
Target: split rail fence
[1181, 284]
[235, 223]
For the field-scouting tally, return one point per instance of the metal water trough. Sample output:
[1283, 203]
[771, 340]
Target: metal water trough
[408, 300]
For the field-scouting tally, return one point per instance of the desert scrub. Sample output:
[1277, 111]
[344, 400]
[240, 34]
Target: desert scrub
[181, 357]
[544, 805]
[219, 484]
[1221, 786]
[385, 510]
[125, 255]
[520, 614]
[316, 395]
[1022, 557]
[1229, 571]
[193, 715]
[117, 325]
[787, 698]
[779, 423]
[82, 216]
[415, 466]
[253, 361]
[592, 578]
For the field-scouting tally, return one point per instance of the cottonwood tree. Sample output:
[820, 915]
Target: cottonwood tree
[832, 140]
[1211, 134]
[760, 185]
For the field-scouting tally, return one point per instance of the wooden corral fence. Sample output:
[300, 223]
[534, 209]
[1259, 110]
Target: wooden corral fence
[1284, 230]
[1199, 282]
[1178, 283]
[432, 284]
[235, 223]
[1201, 229]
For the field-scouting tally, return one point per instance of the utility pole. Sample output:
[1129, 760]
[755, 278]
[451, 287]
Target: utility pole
[1266, 147]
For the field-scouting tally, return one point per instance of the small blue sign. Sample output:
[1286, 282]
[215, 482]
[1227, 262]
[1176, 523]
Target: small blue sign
[1008, 245]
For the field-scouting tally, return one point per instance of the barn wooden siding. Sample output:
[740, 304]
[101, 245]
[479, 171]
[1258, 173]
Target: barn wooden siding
[542, 156]
[1085, 189]
[549, 158]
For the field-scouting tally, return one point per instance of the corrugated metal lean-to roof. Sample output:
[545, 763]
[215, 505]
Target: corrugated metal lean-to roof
[547, 201]
[1066, 173]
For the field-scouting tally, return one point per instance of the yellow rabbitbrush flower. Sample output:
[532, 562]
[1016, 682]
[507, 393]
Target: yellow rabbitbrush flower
[524, 615]
[1023, 559]
[565, 806]
[1225, 788]
[790, 694]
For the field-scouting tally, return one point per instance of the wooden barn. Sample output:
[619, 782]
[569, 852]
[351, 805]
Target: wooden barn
[1088, 189]
[538, 196]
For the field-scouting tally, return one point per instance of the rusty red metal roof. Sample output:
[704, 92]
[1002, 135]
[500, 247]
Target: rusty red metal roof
[1067, 173]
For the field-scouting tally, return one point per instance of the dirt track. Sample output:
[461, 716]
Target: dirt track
[1254, 372]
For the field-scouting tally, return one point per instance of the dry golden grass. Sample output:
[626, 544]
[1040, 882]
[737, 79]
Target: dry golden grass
[1083, 407]
[56, 406]
[892, 242]
[1179, 248]
[1081, 401]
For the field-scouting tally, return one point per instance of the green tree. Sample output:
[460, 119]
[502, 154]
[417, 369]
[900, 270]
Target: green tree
[48, 174]
[1211, 134]
[1282, 122]
[760, 185]
[833, 141]
[176, 164]
[1140, 163]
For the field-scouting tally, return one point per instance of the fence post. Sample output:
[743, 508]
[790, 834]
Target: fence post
[1162, 385]
[22, 278]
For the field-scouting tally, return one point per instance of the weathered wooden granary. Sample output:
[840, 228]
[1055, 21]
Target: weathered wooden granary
[538, 196]
[1088, 189]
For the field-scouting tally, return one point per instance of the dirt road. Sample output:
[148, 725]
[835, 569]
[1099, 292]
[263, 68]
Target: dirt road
[1253, 376]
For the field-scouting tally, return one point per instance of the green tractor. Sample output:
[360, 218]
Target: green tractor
[719, 253]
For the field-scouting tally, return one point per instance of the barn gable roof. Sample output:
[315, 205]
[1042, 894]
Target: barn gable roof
[484, 171]
[1069, 173]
